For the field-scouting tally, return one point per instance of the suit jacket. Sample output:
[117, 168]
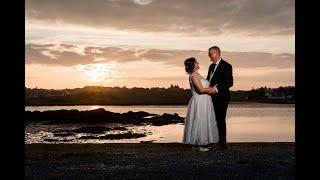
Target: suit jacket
[223, 77]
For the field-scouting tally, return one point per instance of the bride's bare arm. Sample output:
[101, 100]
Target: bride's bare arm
[198, 85]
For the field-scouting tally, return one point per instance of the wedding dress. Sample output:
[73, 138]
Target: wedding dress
[200, 127]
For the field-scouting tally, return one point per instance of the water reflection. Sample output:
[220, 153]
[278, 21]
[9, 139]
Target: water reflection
[95, 107]
[262, 123]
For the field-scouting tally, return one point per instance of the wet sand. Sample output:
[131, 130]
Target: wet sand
[159, 161]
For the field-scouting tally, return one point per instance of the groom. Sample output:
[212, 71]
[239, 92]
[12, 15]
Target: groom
[220, 74]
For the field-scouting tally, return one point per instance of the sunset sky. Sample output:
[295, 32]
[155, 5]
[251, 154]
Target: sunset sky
[143, 43]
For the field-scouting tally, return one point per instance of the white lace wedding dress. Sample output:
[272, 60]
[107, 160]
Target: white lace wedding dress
[200, 127]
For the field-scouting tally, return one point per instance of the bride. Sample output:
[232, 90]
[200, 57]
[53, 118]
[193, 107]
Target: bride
[200, 126]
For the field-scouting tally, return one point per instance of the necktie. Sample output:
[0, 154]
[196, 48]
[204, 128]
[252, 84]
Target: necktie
[213, 67]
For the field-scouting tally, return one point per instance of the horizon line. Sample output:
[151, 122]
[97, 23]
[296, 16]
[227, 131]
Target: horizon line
[174, 85]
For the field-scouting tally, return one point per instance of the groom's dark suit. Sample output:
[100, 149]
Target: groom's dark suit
[224, 78]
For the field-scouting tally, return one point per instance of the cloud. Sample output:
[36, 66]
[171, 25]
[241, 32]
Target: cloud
[189, 17]
[72, 55]
[142, 2]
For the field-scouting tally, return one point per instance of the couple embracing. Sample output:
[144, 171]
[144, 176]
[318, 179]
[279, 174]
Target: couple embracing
[205, 122]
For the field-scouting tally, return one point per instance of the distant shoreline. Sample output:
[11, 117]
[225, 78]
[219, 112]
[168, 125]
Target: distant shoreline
[234, 102]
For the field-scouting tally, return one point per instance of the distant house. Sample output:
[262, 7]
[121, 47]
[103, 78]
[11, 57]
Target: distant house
[35, 95]
[275, 96]
[55, 93]
[66, 93]
[289, 96]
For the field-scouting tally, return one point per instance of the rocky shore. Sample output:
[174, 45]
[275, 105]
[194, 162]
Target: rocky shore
[95, 124]
[100, 116]
[159, 161]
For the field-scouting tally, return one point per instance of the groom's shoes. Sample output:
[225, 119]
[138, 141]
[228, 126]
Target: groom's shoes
[222, 147]
[219, 147]
[212, 146]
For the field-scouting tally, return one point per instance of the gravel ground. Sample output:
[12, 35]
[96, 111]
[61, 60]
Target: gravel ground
[159, 161]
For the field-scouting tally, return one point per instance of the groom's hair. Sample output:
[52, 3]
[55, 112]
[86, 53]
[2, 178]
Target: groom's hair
[189, 64]
[215, 48]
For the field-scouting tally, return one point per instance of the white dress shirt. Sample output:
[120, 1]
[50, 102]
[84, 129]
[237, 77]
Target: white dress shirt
[212, 73]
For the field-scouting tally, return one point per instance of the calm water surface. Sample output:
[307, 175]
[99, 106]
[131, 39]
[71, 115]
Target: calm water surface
[246, 122]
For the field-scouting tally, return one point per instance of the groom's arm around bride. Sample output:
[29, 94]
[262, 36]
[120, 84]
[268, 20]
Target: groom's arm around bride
[228, 81]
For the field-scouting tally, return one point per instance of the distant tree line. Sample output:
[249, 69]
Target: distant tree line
[174, 95]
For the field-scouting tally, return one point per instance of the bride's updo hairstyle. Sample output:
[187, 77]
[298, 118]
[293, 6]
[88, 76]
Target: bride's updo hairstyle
[189, 64]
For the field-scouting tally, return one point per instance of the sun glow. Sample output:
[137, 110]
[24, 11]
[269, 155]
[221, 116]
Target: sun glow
[98, 72]
[95, 107]
[94, 75]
